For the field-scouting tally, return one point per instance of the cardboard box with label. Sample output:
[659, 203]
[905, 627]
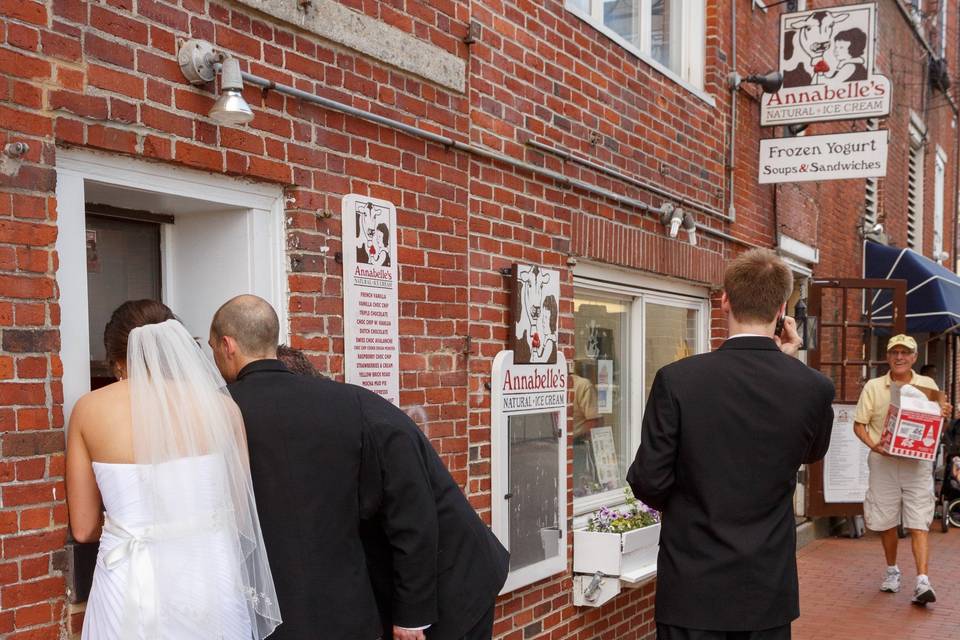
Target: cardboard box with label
[913, 424]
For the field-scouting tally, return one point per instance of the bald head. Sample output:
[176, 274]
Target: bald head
[251, 322]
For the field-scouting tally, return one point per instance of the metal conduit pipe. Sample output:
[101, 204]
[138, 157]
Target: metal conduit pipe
[732, 162]
[450, 143]
[646, 186]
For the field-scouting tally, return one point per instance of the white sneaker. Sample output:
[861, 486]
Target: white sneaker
[891, 581]
[923, 594]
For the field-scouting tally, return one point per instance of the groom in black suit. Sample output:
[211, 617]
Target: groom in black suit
[723, 436]
[324, 455]
[305, 456]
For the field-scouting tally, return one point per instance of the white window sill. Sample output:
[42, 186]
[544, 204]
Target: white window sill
[639, 577]
[666, 71]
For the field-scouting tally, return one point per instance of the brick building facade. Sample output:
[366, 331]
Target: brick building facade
[523, 89]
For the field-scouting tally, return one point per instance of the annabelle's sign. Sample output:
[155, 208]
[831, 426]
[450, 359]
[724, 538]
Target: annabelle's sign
[522, 388]
[370, 310]
[826, 58]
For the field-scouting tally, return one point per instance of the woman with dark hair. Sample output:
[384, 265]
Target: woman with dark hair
[848, 49]
[158, 472]
[297, 361]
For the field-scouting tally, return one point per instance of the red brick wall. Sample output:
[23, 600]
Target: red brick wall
[103, 75]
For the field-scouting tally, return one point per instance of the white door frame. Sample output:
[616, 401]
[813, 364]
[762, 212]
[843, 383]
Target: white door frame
[74, 167]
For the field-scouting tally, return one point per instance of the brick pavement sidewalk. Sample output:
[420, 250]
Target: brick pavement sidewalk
[840, 597]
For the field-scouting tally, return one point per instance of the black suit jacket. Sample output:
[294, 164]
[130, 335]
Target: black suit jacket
[305, 445]
[412, 502]
[723, 436]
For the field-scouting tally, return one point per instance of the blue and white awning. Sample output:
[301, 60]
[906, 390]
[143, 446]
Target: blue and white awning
[933, 291]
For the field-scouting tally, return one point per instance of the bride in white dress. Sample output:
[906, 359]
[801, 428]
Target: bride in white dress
[157, 470]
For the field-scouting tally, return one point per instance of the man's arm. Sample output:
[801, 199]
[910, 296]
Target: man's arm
[862, 416]
[652, 474]
[407, 515]
[821, 437]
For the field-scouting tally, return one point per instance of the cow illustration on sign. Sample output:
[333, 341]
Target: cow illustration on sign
[373, 235]
[806, 42]
[536, 295]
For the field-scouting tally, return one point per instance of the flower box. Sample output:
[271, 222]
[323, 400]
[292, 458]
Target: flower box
[631, 555]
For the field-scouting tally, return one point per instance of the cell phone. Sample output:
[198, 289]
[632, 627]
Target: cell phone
[779, 329]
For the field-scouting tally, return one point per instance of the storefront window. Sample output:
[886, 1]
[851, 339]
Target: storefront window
[600, 388]
[623, 336]
[670, 334]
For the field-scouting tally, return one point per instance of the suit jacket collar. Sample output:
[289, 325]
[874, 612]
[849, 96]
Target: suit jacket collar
[753, 343]
[266, 364]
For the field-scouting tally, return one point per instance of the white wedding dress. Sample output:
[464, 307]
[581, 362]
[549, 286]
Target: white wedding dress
[139, 551]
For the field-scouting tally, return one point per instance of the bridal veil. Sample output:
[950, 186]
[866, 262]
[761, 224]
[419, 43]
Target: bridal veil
[190, 448]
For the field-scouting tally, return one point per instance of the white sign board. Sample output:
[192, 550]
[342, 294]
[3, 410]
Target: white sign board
[528, 419]
[370, 309]
[826, 58]
[817, 158]
[845, 472]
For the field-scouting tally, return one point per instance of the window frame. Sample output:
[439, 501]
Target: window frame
[693, 12]
[939, 201]
[915, 183]
[642, 290]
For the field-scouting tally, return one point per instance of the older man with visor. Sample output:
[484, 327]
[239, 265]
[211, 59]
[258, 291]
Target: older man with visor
[900, 489]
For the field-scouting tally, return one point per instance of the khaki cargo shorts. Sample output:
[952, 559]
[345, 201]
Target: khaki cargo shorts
[898, 487]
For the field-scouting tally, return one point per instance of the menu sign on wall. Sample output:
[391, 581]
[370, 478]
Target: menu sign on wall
[845, 472]
[370, 309]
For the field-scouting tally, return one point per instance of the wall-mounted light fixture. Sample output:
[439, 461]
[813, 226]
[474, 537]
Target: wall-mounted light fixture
[676, 218]
[770, 82]
[200, 64]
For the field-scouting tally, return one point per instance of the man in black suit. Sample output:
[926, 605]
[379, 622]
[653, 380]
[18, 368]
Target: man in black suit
[471, 565]
[723, 436]
[305, 448]
[327, 453]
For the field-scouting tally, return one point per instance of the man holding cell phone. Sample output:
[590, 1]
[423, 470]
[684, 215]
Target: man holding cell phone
[723, 436]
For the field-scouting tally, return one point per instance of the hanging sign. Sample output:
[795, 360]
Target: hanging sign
[370, 310]
[535, 314]
[826, 58]
[831, 157]
[845, 472]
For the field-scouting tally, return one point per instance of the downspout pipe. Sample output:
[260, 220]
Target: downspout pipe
[450, 143]
[732, 161]
[954, 244]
